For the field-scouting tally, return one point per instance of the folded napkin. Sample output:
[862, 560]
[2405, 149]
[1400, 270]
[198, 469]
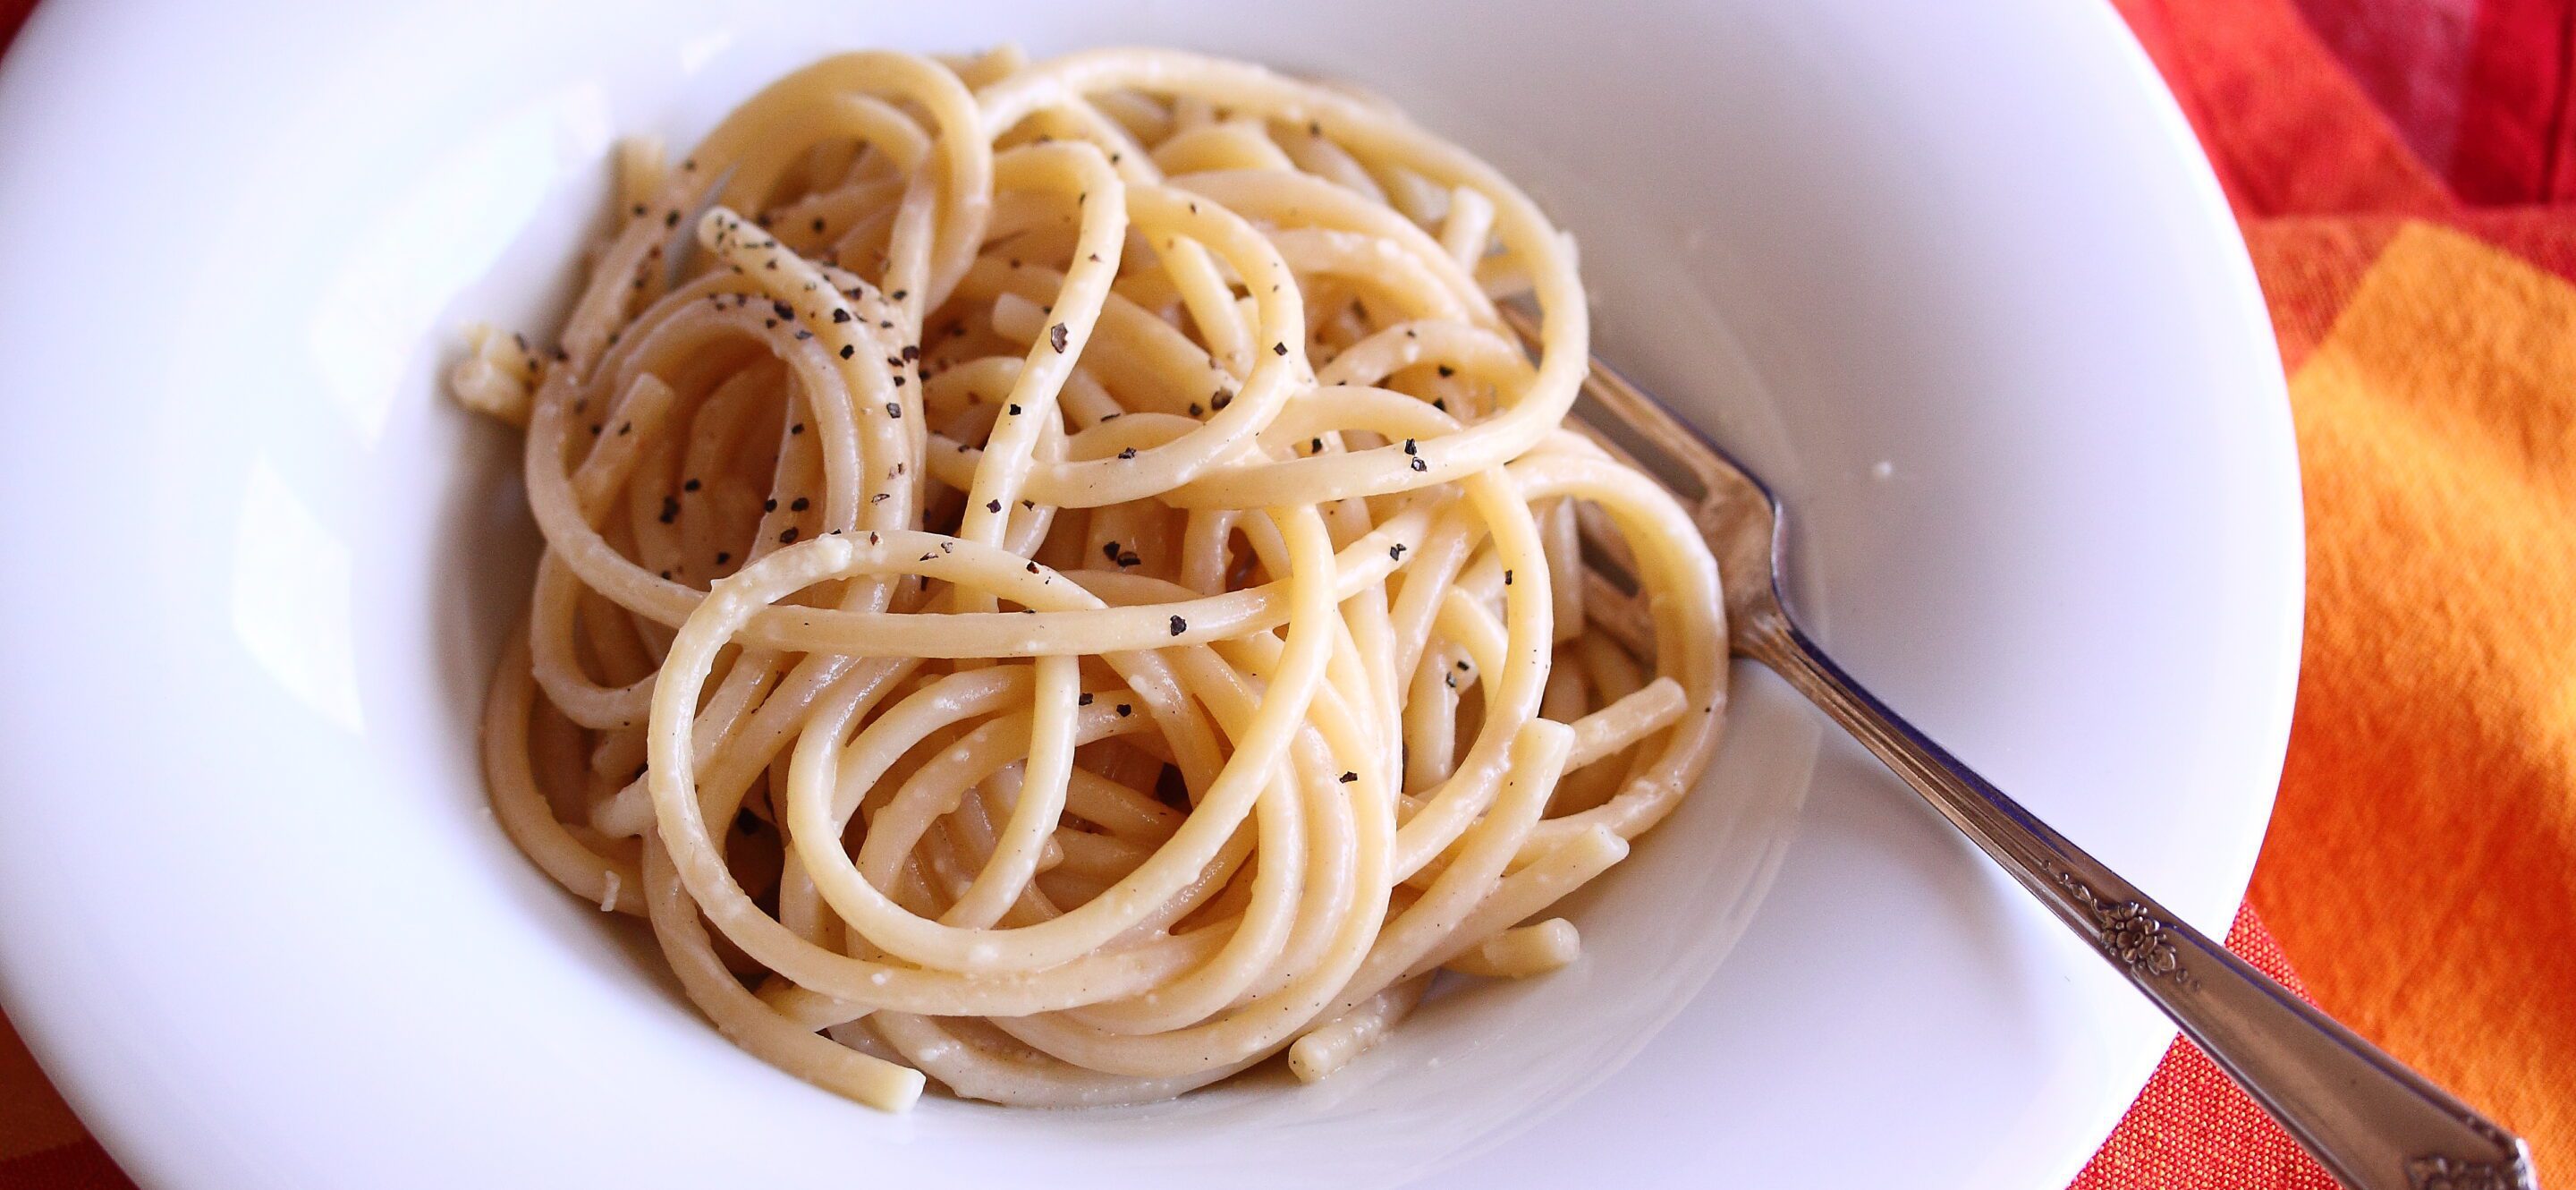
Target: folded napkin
[2396, 164]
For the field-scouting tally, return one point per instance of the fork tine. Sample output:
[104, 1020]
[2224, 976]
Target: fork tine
[1683, 446]
[1732, 508]
[1620, 613]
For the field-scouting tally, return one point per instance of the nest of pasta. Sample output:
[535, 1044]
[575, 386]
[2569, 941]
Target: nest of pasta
[1061, 578]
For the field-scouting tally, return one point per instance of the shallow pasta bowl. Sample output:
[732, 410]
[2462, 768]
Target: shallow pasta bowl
[1952, 276]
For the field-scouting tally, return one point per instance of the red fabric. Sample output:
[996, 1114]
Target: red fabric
[13, 13]
[2511, 102]
[2478, 88]
[2289, 130]
[81, 1165]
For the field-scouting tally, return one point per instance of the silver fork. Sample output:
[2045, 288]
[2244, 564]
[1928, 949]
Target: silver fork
[2371, 1121]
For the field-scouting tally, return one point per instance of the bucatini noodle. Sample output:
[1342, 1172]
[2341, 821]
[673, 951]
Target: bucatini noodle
[1057, 578]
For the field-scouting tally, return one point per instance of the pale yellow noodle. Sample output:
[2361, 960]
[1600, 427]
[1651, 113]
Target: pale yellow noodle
[1059, 581]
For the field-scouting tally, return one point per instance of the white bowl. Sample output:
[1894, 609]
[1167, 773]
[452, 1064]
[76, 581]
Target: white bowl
[1951, 274]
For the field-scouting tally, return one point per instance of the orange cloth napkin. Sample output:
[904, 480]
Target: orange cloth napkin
[2396, 164]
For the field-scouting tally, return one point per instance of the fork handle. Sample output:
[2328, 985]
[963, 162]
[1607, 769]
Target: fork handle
[2371, 1121]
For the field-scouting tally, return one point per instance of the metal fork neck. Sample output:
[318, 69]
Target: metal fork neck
[2374, 1123]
